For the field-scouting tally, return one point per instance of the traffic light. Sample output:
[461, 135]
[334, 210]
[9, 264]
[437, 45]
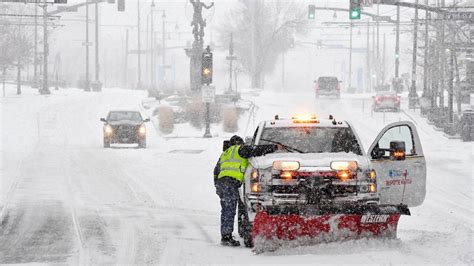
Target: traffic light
[206, 67]
[311, 12]
[355, 9]
[121, 5]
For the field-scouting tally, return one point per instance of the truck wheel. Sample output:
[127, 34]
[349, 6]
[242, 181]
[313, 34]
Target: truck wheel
[245, 229]
[142, 143]
[106, 143]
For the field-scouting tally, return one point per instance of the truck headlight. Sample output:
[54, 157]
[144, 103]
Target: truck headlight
[108, 130]
[142, 130]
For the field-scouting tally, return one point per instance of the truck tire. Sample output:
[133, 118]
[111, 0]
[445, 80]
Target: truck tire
[245, 228]
[106, 143]
[142, 144]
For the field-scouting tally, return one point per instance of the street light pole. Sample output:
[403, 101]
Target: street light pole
[412, 96]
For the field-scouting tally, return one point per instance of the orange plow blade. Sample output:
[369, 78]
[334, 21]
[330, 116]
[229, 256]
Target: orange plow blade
[295, 226]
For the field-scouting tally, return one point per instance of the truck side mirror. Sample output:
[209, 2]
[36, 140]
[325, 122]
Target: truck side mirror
[103, 120]
[377, 153]
[397, 150]
[248, 140]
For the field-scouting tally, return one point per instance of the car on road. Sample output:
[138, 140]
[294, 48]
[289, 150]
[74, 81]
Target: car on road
[325, 166]
[124, 127]
[327, 86]
[386, 100]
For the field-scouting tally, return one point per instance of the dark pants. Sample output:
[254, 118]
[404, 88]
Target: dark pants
[227, 189]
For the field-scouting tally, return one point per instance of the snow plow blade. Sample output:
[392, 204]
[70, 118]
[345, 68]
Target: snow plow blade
[306, 225]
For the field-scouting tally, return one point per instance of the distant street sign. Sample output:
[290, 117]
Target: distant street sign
[459, 16]
[67, 8]
[381, 18]
[208, 94]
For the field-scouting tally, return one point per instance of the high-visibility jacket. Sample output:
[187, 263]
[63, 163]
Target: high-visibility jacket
[232, 165]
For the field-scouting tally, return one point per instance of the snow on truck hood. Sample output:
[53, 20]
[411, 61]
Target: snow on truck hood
[308, 159]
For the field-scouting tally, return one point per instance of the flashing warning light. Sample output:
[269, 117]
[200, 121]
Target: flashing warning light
[344, 174]
[305, 119]
[372, 188]
[287, 175]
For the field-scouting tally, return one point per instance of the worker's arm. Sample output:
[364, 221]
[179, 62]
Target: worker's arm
[247, 151]
[217, 169]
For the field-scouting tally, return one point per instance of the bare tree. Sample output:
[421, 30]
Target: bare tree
[262, 31]
[16, 42]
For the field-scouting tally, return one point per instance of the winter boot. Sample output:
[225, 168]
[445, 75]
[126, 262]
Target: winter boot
[228, 240]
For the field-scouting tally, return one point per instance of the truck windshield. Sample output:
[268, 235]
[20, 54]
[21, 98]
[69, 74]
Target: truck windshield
[313, 139]
[124, 115]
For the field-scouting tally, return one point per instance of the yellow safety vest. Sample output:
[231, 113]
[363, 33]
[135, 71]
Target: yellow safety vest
[232, 165]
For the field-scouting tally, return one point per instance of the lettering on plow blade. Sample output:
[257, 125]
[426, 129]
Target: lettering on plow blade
[273, 231]
[374, 218]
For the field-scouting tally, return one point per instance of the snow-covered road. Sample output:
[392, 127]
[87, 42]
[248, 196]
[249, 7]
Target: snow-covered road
[66, 199]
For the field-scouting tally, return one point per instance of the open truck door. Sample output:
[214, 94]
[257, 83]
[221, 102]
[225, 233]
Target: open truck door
[397, 157]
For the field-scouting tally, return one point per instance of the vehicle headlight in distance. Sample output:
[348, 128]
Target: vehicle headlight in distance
[142, 130]
[344, 165]
[108, 130]
[286, 165]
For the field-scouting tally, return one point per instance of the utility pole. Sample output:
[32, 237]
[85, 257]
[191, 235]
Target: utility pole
[397, 45]
[231, 58]
[139, 82]
[163, 48]
[45, 89]
[97, 84]
[442, 59]
[427, 46]
[35, 60]
[152, 46]
[87, 85]
[378, 47]
[383, 60]
[451, 78]
[412, 96]
[350, 58]
[368, 71]
[125, 69]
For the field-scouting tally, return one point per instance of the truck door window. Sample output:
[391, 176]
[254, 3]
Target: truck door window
[398, 133]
